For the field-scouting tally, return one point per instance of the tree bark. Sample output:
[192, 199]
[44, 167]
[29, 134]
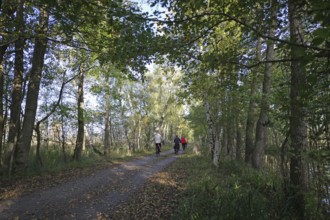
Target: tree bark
[17, 87]
[298, 122]
[212, 144]
[63, 139]
[107, 119]
[24, 142]
[250, 122]
[263, 121]
[8, 9]
[239, 141]
[81, 123]
[2, 86]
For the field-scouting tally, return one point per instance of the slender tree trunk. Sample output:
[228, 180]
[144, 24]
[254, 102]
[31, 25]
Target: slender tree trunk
[250, 122]
[263, 121]
[24, 143]
[107, 120]
[38, 157]
[63, 138]
[2, 86]
[139, 135]
[239, 142]
[283, 161]
[230, 115]
[298, 122]
[81, 123]
[230, 140]
[212, 145]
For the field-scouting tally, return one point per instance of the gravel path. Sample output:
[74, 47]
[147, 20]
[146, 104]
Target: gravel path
[88, 197]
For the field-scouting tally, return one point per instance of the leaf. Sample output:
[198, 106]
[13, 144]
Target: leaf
[318, 41]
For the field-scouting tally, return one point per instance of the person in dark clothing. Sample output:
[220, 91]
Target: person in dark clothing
[176, 144]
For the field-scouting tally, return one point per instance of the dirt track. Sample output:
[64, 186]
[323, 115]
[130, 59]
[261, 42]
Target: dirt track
[88, 197]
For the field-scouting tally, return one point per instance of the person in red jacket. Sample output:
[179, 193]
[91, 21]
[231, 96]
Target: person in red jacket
[184, 142]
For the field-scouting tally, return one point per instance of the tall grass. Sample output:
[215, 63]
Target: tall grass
[53, 160]
[232, 191]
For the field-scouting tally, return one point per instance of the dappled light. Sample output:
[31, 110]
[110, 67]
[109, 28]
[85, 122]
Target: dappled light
[154, 109]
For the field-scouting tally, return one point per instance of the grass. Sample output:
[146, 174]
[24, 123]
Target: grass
[232, 191]
[236, 191]
[53, 161]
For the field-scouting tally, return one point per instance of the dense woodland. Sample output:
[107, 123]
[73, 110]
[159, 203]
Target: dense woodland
[247, 80]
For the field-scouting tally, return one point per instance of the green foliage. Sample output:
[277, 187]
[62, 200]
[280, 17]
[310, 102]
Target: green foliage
[53, 161]
[233, 191]
[236, 191]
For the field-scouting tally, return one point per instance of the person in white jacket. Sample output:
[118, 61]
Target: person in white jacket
[158, 140]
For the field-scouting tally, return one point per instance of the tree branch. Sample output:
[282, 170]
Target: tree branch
[58, 101]
[242, 23]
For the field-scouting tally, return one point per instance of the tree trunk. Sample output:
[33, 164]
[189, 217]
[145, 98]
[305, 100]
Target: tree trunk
[24, 142]
[81, 123]
[239, 142]
[2, 86]
[38, 157]
[139, 135]
[230, 140]
[107, 120]
[298, 122]
[263, 121]
[17, 91]
[133, 130]
[212, 144]
[8, 9]
[63, 138]
[230, 124]
[250, 122]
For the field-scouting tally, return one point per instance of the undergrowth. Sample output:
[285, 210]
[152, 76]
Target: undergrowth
[231, 191]
[53, 161]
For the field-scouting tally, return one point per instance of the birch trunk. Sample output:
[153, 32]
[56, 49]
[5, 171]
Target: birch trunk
[212, 145]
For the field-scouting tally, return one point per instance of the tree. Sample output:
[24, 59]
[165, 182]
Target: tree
[73, 25]
[24, 141]
[2, 86]
[80, 142]
[17, 91]
[250, 121]
[52, 110]
[8, 10]
[298, 123]
[107, 118]
[263, 121]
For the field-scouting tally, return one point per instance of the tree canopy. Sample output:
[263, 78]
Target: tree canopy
[249, 80]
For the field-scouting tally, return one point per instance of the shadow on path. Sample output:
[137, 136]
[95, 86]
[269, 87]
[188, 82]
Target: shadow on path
[87, 197]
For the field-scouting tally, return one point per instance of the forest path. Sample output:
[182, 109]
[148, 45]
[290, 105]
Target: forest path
[87, 197]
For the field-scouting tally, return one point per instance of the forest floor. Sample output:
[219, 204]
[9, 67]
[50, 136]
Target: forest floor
[144, 188]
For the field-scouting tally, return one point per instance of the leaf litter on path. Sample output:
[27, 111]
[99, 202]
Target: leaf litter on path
[102, 195]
